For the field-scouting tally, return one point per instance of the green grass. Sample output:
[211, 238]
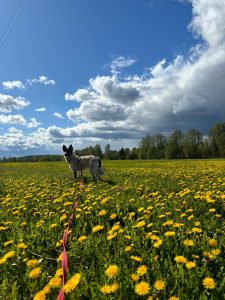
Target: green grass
[149, 200]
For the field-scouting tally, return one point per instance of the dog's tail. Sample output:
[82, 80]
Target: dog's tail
[100, 171]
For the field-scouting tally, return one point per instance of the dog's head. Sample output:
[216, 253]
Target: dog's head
[68, 152]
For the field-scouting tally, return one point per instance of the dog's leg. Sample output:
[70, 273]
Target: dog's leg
[74, 174]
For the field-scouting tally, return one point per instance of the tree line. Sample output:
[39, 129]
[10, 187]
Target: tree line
[177, 145]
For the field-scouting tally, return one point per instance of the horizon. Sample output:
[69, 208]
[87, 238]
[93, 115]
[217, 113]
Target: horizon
[91, 72]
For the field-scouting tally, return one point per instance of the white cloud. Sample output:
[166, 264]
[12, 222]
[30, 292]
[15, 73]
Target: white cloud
[12, 119]
[41, 80]
[58, 115]
[41, 109]
[184, 93]
[19, 120]
[120, 63]
[8, 103]
[33, 123]
[10, 85]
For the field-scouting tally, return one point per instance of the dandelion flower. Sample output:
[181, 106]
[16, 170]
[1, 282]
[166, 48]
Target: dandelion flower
[106, 289]
[208, 283]
[180, 259]
[190, 264]
[134, 277]
[82, 238]
[40, 296]
[22, 246]
[136, 258]
[35, 273]
[114, 287]
[9, 254]
[157, 244]
[142, 270]
[97, 228]
[159, 284]
[55, 282]
[102, 213]
[128, 248]
[111, 271]
[139, 224]
[72, 283]
[8, 243]
[113, 216]
[142, 288]
[169, 233]
[212, 242]
[188, 243]
[31, 263]
[173, 298]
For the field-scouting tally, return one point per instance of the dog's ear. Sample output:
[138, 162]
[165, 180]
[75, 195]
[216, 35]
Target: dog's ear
[70, 148]
[64, 148]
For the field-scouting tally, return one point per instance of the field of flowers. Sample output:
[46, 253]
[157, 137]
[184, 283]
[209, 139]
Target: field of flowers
[150, 230]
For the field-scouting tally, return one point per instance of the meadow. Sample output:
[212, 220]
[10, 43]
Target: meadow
[150, 230]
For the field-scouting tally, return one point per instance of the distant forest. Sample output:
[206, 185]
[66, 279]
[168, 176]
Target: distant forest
[178, 145]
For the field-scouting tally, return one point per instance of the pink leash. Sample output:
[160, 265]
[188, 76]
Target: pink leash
[65, 237]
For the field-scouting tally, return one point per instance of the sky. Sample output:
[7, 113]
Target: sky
[87, 72]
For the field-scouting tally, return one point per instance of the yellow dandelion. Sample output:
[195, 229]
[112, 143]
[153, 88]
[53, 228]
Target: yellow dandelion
[82, 238]
[8, 243]
[113, 216]
[159, 284]
[22, 246]
[173, 298]
[169, 233]
[139, 224]
[9, 254]
[97, 228]
[196, 230]
[157, 244]
[40, 296]
[134, 277]
[190, 264]
[72, 283]
[142, 270]
[142, 288]
[35, 273]
[102, 213]
[114, 287]
[212, 242]
[116, 227]
[188, 243]
[31, 263]
[59, 272]
[215, 252]
[136, 258]
[55, 282]
[128, 248]
[111, 271]
[208, 283]
[106, 289]
[53, 225]
[180, 259]
[2, 260]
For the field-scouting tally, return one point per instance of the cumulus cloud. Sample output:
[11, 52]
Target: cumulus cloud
[41, 109]
[8, 103]
[184, 93]
[58, 115]
[19, 120]
[10, 85]
[120, 63]
[41, 80]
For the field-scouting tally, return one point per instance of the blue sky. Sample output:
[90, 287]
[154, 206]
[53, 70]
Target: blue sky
[93, 71]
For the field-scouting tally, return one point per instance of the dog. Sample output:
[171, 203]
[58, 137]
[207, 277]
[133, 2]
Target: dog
[77, 163]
